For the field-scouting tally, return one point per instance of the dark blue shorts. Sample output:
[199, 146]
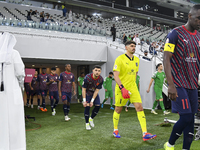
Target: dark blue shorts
[28, 93]
[186, 102]
[43, 92]
[54, 94]
[66, 96]
[36, 92]
[96, 101]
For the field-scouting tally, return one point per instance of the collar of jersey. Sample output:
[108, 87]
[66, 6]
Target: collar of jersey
[67, 73]
[53, 74]
[94, 78]
[44, 74]
[189, 31]
[129, 57]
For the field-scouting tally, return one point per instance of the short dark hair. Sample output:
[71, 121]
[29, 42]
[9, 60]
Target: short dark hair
[53, 68]
[82, 73]
[44, 68]
[129, 42]
[111, 73]
[195, 7]
[158, 65]
[97, 66]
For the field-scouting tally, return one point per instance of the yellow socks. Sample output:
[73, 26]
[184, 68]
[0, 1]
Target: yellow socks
[115, 120]
[142, 120]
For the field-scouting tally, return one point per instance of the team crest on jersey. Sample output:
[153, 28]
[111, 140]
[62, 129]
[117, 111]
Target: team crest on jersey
[97, 84]
[199, 43]
[56, 77]
[136, 64]
[115, 66]
[192, 55]
[71, 76]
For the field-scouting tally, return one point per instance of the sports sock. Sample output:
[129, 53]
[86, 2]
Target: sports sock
[155, 104]
[65, 109]
[27, 101]
[43, 103]
[68, 108]
[142, 120]
[162, 105]
[104, 101]
[111, 102]
[115, 119]
[179, 126]
[38, 102]
[52, 100]
[188, 135]
[56, 103]
[31, 101]
[87, 113]
[95, 111]
[128, 103]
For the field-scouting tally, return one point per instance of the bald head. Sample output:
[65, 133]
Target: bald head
[194, 17]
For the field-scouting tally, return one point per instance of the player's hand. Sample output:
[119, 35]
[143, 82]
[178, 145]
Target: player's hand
[51, 80]
[84, 104]
[91, 104]
[31, 88]
[148, 90]
[106, 90]
[125, 93]
[172, 92]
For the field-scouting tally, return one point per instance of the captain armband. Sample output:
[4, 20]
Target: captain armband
[169, 47]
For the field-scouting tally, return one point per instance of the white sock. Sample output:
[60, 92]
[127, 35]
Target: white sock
[169, 145]
[144, 133]
[90, 118]
[115, 129]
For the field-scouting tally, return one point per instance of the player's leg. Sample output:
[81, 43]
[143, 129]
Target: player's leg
[32, 95]
[27, 97]
[87, 112]
[119, 103]
[106, 98]
[44, 94]
[183, 107]
[126, 109]
[56, 96]
[51, 95]
[111, 99]
[163, 107]
[68, 105]
[79, 94]
[95, 110]
[38, 97]
[65, 107]
[189, 130]
[137, 102]
[154, 106]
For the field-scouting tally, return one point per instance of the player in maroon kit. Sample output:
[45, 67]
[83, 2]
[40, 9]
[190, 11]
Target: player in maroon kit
[65, 89]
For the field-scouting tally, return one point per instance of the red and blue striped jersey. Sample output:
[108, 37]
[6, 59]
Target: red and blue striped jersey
[185, 61]
[92, 84]
[42, 79]
[67, 80]
[54, 85]
[34, 83]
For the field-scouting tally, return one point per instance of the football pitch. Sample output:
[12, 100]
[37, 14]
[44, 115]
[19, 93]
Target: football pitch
[57, 134]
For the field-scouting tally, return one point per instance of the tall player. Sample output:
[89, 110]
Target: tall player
[107, 84]
[125, 71]
[91, 86]
[42, 79]
[36, 90]
[52, 82]
[66, 82]
[182, 63]
[80, 82]
[158, 78]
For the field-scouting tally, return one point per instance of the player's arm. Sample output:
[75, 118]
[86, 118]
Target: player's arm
[104, 84]
[30, 86]
[59, 84]
[79, 84]
[74, 87]
[48, 81]
[168, 52]
[84, 86]
[150, 85]
[125, 92]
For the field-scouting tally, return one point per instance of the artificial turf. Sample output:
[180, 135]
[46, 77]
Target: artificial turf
[56, 134]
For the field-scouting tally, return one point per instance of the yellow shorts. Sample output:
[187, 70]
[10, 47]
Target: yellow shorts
[134, 97]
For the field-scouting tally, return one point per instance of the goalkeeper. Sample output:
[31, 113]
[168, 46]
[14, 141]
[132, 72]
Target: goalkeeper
[107, 84]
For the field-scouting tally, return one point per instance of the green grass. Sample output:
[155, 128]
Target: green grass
[56, 134]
